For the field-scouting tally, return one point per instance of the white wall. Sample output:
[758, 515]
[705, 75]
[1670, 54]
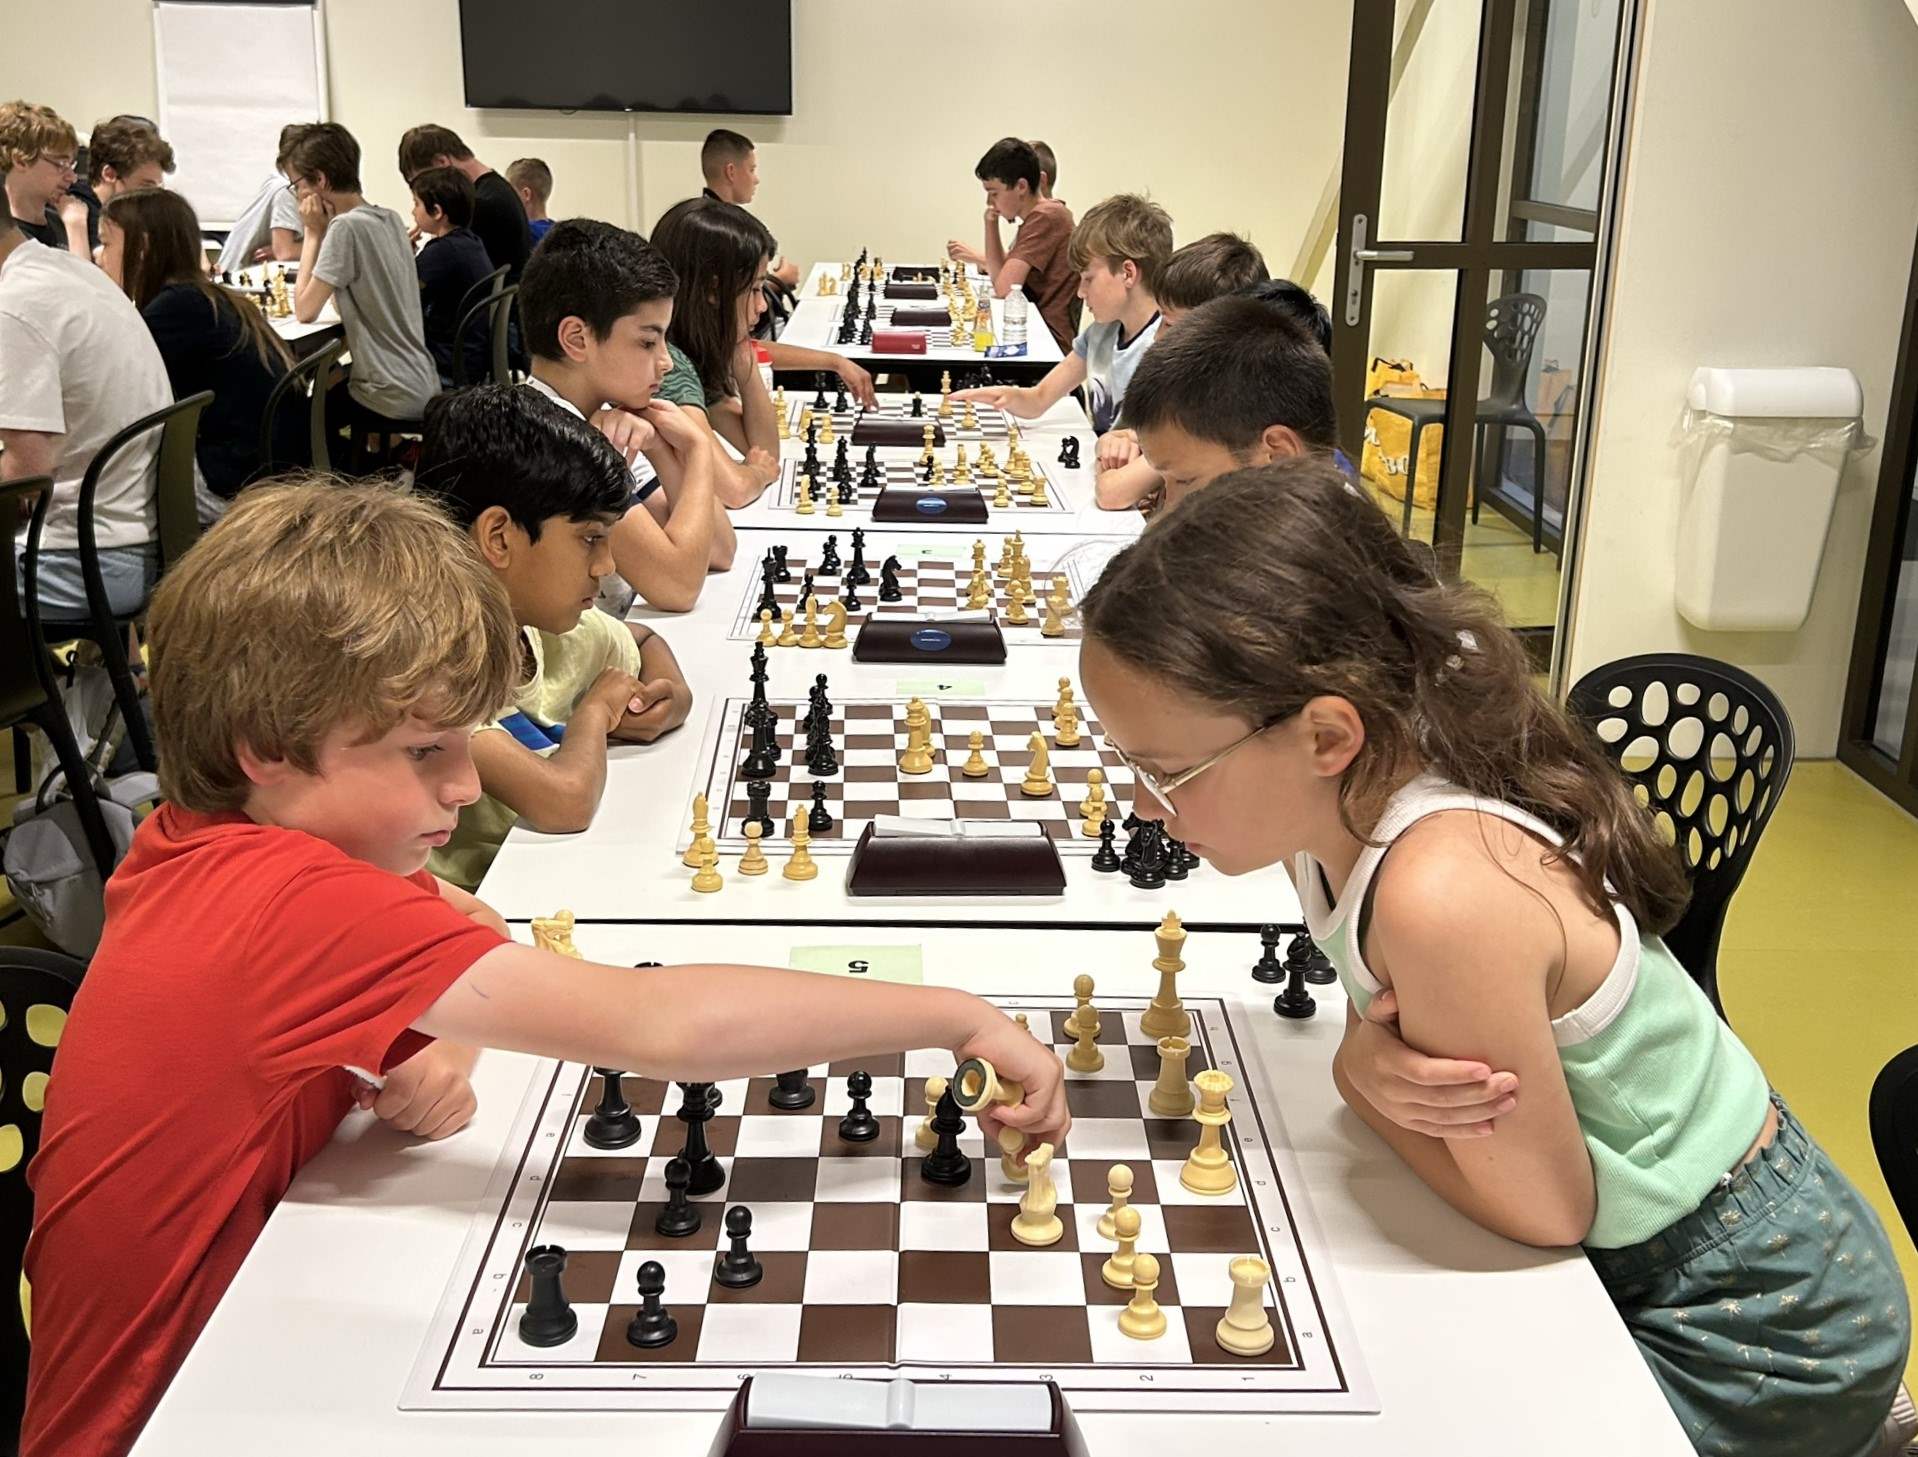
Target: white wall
[1229, 112]
[1770, 212]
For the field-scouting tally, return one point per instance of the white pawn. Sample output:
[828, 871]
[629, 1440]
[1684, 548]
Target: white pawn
[1142, 1319]
[1119, 1186]
[1117, 1270]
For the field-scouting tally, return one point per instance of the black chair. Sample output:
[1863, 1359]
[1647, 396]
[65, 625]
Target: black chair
[1511, 333]
[485, 288]
[36, 991]
[1708, 749]
[498, 309]
[1894, 1132]
[310, 379]
[29, 691]
[178, 516]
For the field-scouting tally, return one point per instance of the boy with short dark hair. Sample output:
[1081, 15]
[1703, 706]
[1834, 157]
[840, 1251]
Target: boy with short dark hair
[317, 663]
[1048, 167]
[356, 252]
[1238, 383]
[538, 490]
[498, 217]
[451, 264]
[1117, 252]
[124, 152]
[1217, 264]
[532, 179]
[594, 307]
[1036, 261]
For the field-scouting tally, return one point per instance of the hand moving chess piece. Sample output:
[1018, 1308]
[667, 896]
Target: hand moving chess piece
[1208, 1169]
[977, 1087]
[1038, 1222]
[1142, 1319]
[754, 861]
[1038, 781]
[1119, 1186]
[1245, 1329]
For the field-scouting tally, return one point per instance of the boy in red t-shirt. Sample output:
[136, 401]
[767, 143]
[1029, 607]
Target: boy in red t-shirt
[1036, 261]
[318, 662]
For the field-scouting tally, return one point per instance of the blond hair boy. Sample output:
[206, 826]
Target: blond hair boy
[38, 150]
[318, 663]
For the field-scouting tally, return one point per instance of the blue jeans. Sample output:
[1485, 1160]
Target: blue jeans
[129, 573]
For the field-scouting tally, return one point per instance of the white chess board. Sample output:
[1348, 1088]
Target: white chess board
[989, 421]
[900, 471]
[870, 1271]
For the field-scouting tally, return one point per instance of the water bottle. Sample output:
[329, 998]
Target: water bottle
[1013, 326]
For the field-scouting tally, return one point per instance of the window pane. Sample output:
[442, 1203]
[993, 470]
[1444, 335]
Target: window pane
[1428, 124]
[1574, 97]
[1901, 652]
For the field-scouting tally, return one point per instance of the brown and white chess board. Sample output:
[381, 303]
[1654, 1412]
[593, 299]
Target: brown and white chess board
[903, 473]
[870, 1271]
[929, 587]
[870, 736]
[989, 421]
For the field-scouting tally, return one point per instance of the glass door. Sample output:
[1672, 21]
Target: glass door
[1477, 167]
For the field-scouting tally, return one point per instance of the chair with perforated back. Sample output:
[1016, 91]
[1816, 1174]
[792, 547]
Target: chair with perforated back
[178, 516]
[498, 309]
[29, 692]
[1708, 749]
[36, 990]
[1511, 332]
[1894, 1132]
[310, 379]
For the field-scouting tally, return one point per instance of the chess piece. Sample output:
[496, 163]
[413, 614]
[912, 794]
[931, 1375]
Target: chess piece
[787, 637]
[1119, 1186]
[1055, 622]
[1208, 1168]
[819, 819]
[1117, 1270]
[1171, 1095]
[1069, 453]
[1085, 1056]
[1064, 702]
[1142, 1319]
[791, 1092]
[859, 1126]
[695, 1110]
[802, 495]
[1245, 1329]
[1095, 795]
[1295, 1002]
[1267, 968]
[975, 765]
[927, 436]
[917, 758]
[1094, 826]
[835, 506]
[1038, 1222]
[614, 1124]
[1082, 1006]
[889, 580]
[651, 1327]
[702, 834]
[766, 637]
[977, 591]
[549, 1318]
[707, 878]
[1016, 607]
[946, 1165]
[977, 1085]
[554, 933]
[835, 624]
[800, 864]
[680, 1216]
[1038, 781]
[1106, 858]
[1167, 1016]
[961, 469]
[927, 1137]
[810, 638]
[970, 420]
[1068, 735]
[754, 861]
[759, 794]
[738, 1268]
[1002, 496]
[1318, 966]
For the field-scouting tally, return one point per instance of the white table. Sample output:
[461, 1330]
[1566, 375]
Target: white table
[815, 325]
[1474, 1345]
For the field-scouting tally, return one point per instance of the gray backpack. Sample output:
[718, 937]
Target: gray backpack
[50, 868]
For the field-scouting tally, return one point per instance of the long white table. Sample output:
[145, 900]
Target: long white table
[815, 319]
[1474, 1345]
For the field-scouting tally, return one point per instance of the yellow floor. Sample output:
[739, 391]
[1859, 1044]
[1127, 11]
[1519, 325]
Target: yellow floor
[1498, 556]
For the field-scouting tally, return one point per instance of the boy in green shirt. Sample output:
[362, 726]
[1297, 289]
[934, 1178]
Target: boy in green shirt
[538, 490]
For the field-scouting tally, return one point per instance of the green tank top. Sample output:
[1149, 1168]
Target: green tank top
[1668, 1099]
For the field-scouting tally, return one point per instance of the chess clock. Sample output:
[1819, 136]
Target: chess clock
[813, 1416]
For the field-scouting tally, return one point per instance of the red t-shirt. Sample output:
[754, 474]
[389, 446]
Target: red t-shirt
[1052, 285]
[242, 969]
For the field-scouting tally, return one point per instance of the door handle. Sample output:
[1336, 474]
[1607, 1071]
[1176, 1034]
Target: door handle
[1359, 257]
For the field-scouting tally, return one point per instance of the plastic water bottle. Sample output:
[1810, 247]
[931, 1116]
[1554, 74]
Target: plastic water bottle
[1013, 325]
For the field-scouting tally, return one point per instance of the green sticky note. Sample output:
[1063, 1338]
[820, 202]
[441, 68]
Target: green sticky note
[939, 688]
[903, 964]
[922, 549]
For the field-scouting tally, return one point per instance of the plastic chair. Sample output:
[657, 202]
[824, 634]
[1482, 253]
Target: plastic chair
[29, 691]
[310, 378]
[1511, 332]
[179, 522]
[1894, 1132]
[498, 308]
[1708, 749]
[36, 991]
[484, 288]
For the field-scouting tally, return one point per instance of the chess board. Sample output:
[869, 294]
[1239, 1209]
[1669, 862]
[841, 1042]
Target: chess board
[900, 471]
[992, 423]
[938, 336]
[870, 736]
[870, 1271]
[929, 586]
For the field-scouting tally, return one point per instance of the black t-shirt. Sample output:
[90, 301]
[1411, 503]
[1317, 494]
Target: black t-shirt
[449, 266]
[499, 218]
[49, 230]
[83, 190]
[206, 347]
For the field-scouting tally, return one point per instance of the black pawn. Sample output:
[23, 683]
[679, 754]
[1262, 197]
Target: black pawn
[805, 590]
[652, 1327]
[1106, 857]
[859, 1126]
[1175, 866]
[889, 580]
[819, 398]
[928, 468]
[818, 818]
[1295, 1001]
[918, 408]
[707, 1173]
[614, 1124]
[791, 1092]
[549, 1318]
[1186, 858]
[850, 599]
[946, 1164]
[680, 1217]
[739, 1267]
[1267, 968]
[1318, 966]
[840, 404]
